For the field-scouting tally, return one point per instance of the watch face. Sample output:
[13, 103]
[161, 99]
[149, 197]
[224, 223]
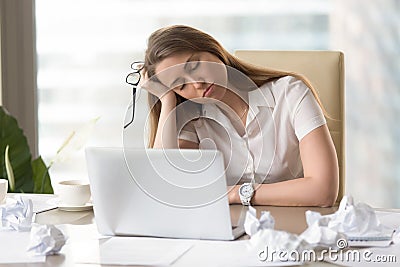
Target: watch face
[246, 190]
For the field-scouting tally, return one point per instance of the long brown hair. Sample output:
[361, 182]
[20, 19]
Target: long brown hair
[179, 38]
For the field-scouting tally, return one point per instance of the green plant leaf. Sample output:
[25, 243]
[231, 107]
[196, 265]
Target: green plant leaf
[41, 177]
[19, 153]
[9, 170]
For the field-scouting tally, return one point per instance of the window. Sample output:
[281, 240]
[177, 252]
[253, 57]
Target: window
[85, 49]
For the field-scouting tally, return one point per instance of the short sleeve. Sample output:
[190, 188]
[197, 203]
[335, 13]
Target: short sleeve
[188, 132]
[307, 114]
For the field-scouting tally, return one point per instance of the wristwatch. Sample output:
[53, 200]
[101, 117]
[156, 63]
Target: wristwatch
[246, 192]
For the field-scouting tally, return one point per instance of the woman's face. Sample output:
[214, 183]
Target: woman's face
[198, 76]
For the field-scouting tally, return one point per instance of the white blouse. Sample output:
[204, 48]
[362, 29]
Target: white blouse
[280, 114]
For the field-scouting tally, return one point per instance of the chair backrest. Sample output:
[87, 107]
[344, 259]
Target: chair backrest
[325, 71]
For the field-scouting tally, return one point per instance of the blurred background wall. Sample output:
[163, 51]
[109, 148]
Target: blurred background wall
[85, 49]
[369, 34]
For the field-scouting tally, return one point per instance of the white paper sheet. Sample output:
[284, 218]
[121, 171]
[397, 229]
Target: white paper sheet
[389, 219]
[134, 251]
[13, 246]
[223, 253]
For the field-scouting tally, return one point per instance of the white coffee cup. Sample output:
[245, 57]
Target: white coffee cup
[3, 190]
[74, 192]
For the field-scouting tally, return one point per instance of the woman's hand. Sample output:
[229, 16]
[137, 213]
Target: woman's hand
[154, 87]
[166, 134]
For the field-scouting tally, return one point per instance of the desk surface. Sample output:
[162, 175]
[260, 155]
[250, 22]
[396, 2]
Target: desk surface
[81, 227]
[291, 219]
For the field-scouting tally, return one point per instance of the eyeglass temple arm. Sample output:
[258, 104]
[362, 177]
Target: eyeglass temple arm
[133, 107]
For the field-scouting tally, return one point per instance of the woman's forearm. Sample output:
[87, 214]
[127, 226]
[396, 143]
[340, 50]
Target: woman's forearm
[305, 191]
[166, 135]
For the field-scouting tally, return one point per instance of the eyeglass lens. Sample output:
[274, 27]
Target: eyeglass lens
[133, 78]
[137, 66]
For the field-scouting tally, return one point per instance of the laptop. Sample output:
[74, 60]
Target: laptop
[162, 193]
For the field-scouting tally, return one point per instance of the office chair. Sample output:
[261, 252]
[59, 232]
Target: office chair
[325, 71]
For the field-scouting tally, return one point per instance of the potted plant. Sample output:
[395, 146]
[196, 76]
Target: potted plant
[24, 174]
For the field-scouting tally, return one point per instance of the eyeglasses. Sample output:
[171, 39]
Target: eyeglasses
[133, 79]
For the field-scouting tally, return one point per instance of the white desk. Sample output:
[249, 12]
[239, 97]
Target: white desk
[82, 228]
[83, 236]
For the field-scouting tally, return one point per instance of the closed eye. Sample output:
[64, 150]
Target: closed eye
[191, 66]
[194, 65]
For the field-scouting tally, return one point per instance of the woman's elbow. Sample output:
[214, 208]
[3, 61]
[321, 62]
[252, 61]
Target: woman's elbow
[328, 193]
[328, 201]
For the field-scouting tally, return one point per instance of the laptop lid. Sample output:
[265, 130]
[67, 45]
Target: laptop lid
[164, 193]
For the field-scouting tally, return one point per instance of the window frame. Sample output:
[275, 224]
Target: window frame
[19, 66]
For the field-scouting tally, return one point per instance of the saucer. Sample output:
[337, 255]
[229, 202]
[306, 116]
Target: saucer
[65, 207]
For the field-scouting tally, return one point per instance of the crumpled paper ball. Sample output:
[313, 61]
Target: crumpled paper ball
[265, 242]
[45, 240]
[328, 231]
[357, 220]
[352, 220]
[252, 225]
[17, 215]
[318, 234]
